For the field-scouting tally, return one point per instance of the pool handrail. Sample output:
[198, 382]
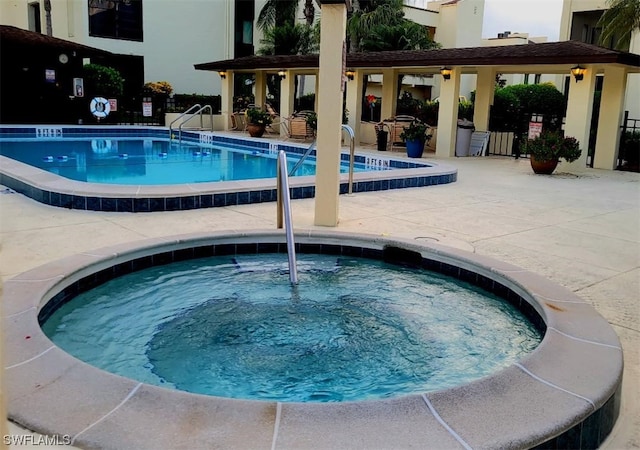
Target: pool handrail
[284, 208]
[302, 158]
[197, 105]
[199, 112]
[352, 155]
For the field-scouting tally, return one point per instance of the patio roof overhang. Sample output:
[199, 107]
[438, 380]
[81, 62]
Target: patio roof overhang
[23, 40]
[549, 57]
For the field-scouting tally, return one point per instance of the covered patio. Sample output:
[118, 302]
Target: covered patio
[483, 62]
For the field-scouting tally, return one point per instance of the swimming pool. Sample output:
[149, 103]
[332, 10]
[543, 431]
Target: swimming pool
[378, 172]
[155, 161]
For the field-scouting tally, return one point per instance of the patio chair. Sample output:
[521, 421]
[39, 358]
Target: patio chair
[277, 121]
[298, 127]
[479, 142]
[396, 126]
[239, 119]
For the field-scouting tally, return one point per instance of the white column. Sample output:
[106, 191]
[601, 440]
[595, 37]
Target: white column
[485, 88]
[287, 95]
[354, 103]
[389, 93]
[578, 120]
[226, 99]
[329, 95]
[611, 114]
[448, 115]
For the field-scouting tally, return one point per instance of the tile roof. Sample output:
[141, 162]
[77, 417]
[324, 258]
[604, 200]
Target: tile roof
[547, 53]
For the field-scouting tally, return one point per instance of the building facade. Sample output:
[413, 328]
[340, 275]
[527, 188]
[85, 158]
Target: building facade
[164, 39]
[579, 22]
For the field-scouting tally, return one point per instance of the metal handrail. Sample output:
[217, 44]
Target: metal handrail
[302, 158]
[352, 154]
[199, 111]
[197, 105]
[284, 208]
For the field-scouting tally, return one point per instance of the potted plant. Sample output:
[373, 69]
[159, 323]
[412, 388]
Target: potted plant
[415, 136]
[312, 120]
[546, 150]
[257, 121]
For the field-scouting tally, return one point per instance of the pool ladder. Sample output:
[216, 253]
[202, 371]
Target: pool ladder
[198, 110]
[284, 209]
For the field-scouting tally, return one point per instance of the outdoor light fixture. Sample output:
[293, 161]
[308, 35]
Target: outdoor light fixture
[446, 73]
[578, 72]
[222, 73]
[282, 74]
[350, 73]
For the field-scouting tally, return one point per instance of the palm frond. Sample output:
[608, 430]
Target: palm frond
[619, 22]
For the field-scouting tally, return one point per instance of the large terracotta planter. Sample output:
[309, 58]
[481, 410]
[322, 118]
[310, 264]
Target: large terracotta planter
[255, 130]
[545, 167]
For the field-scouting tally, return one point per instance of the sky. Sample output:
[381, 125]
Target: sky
[536, 17]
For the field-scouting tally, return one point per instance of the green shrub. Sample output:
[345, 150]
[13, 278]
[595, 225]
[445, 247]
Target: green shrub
[102, 81]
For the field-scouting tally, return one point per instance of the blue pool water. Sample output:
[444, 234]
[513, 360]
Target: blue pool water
[151, 161]
[233, 326]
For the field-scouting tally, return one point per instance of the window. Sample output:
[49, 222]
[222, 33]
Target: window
[35, 23]
[116, 19]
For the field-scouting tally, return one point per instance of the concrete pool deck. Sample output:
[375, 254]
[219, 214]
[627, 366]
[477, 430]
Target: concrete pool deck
[579, 231]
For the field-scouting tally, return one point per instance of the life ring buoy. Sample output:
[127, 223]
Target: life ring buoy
[101, 145]
[100, 107]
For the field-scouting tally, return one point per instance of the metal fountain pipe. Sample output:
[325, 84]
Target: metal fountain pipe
[284, 208]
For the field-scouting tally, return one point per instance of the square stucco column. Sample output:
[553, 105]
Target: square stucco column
[287, 95]
[611, 113]
[260, 92]
[485, 88]
[332, 39]
[389, 93]
[226, 99]
[354, 103]
[579, 111]
[448, 115]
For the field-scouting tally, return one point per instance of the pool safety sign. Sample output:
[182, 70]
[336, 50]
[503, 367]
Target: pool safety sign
[146, 109]
[50, 75]
[78, 87]
[535, 129]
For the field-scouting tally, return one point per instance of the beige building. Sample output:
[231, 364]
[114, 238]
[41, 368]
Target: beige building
[515, 38]
[166, 38]
[579, 22]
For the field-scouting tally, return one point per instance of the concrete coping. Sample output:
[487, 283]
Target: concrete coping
[567, 389]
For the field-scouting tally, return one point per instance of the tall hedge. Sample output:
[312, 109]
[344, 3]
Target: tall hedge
[513, 106]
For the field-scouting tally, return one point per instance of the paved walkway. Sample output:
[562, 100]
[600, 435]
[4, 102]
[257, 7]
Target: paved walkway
[582, 231]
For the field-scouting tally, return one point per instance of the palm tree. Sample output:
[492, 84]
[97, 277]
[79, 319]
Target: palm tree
[289, 39]
[619, 22]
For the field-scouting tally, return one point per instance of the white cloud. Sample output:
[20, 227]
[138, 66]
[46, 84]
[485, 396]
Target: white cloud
[536, 17]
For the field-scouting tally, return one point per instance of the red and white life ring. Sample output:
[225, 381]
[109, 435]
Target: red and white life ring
[100, 107]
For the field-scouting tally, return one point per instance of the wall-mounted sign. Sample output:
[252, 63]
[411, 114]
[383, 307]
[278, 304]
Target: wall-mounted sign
[50, 75]
[78, 87]
[114, 104]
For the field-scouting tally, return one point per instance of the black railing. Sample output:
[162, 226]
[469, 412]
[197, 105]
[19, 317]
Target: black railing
[629, 150]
